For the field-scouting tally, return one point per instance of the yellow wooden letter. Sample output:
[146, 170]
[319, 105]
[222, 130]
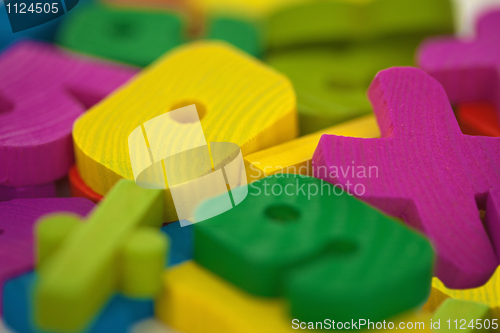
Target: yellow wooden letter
[295, 156]
[194, 300]
[238, 98]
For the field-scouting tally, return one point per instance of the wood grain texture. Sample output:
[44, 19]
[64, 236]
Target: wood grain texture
[295, 156]
[28, 192]
[488, 294]
[78, 187]
[117, 249]
[429, 173]
[240, 99]
[461, 313]
[118, 316]
[194, 300]
[42, 91]
[476, 118]
[17, 219]
[468, 70]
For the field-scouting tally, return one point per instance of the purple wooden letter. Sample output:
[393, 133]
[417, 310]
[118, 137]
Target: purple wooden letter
[423, 170]
[43, 89]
